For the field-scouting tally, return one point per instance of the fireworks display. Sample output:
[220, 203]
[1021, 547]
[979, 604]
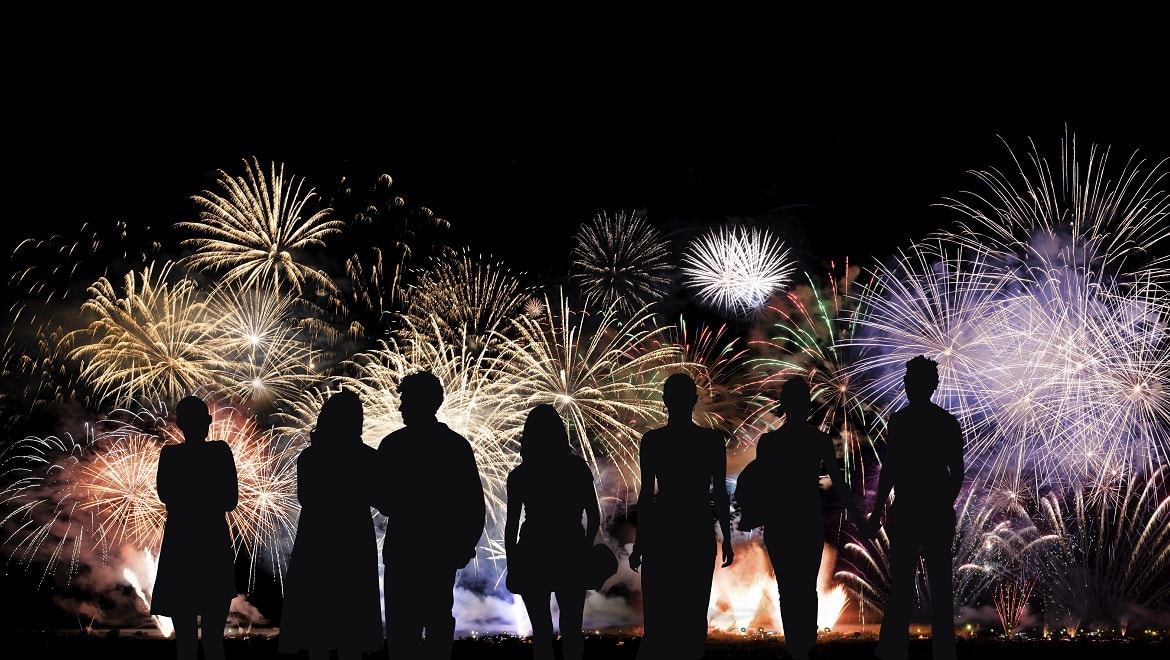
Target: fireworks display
[1045, 305]
[621, 260]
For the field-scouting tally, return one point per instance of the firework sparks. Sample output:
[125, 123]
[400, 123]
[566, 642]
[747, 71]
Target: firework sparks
[737, 269]
[463, 302]
[258, 229]
[598, 374]
[620, 260]
[151, 340]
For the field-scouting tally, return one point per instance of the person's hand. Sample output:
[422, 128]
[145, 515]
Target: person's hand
[635, 560]
[728, 553]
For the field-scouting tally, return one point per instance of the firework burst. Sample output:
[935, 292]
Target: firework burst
[259, 229]
[621, 260]
[803, 332]
[737, 269]
[463, 302]
[597, 372]
[149, 340]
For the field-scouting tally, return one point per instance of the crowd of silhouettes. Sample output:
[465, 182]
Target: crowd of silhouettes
[552, 534]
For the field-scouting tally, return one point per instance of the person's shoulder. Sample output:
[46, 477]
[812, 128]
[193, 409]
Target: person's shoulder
[715, 436]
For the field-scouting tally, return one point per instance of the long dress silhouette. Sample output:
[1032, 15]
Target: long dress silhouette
[331, 590]
[196, 578]
[433, 499]
[682, 495]
[790, 460]
[552, 489]
[924, 470]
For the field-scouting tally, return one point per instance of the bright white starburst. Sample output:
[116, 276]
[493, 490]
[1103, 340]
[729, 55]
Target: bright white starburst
[737, 269]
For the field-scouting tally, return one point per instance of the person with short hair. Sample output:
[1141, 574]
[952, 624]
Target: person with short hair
[433, 500]
[923, 470]
[682, 495]
[195, 580]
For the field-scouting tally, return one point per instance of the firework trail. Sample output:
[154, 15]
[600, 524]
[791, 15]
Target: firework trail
[1049, 330]
[150, 340]
[803, 332]
[259, 229]
[620, 260]
[715, 358]
[599, 374]
[736, 269]
[49, 281]
[266, 355]
[464, 302]
[386, 238]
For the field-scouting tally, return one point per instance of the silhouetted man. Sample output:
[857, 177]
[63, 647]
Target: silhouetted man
[683, 494]
[923, 468]
[434, 506]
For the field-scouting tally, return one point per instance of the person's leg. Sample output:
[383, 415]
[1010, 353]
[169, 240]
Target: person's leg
[438, 600]
[572, 605]
[539, 614]
[796, 584]
[894, 633]
[402, 596]
[186, 636]
[940, 572]
[212, 625]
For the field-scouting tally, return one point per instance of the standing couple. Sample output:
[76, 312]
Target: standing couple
[435, 515]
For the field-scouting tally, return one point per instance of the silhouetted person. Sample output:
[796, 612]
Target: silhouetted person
[683, 493]
[790, 459]
[331, 590]
[433, 500]
[552, 487]
[196, 578]
[923, 467]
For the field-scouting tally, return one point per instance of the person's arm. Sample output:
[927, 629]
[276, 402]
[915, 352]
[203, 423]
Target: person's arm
[844, 495]
[645, 502]
[885, 486]
[475, 519]
[515, 504]
[722, 500]
[230, 482]
[955, 464]
[592, 506]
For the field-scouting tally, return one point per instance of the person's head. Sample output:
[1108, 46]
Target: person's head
[340, 418]
[921, 379]
[796, 399]
[544, 434]
[419, 394]
[193, 417]
[680, 393]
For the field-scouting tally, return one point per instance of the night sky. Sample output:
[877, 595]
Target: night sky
[856, 153]
[849, 151]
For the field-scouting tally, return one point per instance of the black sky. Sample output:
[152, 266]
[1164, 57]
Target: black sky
[518, 145]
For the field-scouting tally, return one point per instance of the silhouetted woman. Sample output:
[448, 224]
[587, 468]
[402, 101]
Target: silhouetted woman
[791, 458]
[553, 488]
[331, 595]
[683, 494]
[196, 579]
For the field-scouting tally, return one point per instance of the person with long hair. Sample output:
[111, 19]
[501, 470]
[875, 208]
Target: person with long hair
[331, 592]
[553, 488]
